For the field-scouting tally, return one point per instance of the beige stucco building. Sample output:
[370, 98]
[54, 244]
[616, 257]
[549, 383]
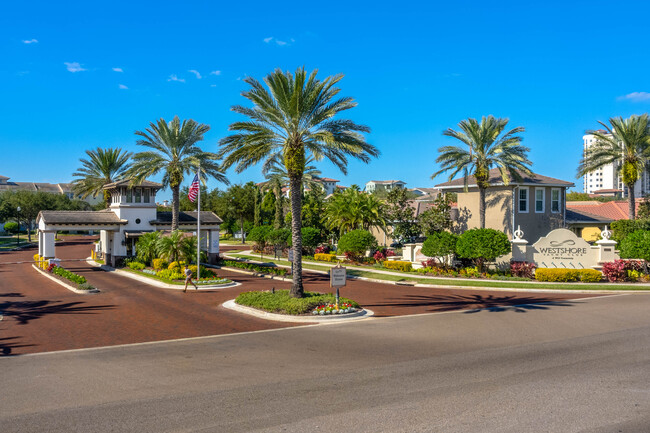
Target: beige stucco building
[535, 203]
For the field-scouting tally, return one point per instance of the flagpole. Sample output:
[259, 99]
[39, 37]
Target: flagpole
[198, 229]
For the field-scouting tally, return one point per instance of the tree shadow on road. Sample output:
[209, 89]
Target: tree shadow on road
[7, 347]
[11, 295]
[474, 303]
[25, 311]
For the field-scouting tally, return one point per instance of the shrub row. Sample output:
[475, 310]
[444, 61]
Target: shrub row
[398, 265]
[323, 257]
[158, 264]
[282, 302]
[255, 267]
[58, 270]
[568, 275]
[623, 270]
[136, 266]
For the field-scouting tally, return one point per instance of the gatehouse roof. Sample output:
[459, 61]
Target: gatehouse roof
[102, 217]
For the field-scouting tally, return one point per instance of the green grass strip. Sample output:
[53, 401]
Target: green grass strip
[281, 302]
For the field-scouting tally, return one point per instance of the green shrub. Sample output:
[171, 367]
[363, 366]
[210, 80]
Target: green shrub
[176, 266]
[311, 237]
[440, 244]
[158, 264]
[282, 302]
[622, 228]
[356, 242]
[398, 265]
[568, 275]
[322, 257]
[205, 273]
[136, 266]
[85, 286]
[278, 237]
[11, 227]
[636, 245]
[482, 245]
[170, 274]
[255, 267]
[259, 234]
[58, 270]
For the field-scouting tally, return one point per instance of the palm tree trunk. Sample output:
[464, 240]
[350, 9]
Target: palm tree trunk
[297, 289]
[481, 206]
[631, 205]
[175, 206]
[241, 224]
[107, 199]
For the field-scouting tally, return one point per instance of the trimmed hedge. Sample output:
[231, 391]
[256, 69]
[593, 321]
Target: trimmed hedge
[170, 274]
[136, 266]
[568, 275]
[71, 276]
[325, 257]
[398, 265]
[255, 267]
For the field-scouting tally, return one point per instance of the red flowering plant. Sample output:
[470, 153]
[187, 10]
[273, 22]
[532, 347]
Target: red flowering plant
[379, 256]
[617, 270]
[51, 267]
[324, 249]
[522, 269]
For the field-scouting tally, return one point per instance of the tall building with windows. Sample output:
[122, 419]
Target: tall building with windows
[607, 179]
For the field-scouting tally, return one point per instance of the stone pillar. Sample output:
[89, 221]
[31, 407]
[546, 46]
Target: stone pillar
[213, 246]
[408, 252]
[48, 245]
[519, 247]
[606, 248]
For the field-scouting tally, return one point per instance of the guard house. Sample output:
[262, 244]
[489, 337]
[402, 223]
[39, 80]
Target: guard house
[132, 212]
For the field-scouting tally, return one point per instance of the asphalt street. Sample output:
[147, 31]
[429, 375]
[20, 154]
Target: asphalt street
[579, 366]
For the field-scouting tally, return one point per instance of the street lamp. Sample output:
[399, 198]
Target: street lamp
[18, 218]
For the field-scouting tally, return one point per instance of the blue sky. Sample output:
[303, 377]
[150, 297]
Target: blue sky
[77, 75]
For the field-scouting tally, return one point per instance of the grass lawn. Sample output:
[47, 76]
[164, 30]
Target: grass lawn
[413, 277]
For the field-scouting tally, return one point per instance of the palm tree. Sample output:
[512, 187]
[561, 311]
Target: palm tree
[103, 166]
[627, 143]
[485, 146]
[147, 247]
[275, 172]
[353, 209]
[290, 121]
[175, 153]
[188, 249]
[170, 247]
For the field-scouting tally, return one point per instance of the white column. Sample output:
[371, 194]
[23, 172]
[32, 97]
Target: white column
[213, 240]
[48, 245]
[40, 243]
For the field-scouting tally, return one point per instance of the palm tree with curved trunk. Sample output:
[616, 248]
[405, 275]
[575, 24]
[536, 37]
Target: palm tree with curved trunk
[626, 143]
[485, 146]
[102, 167]
[175, 153]
[292, 118]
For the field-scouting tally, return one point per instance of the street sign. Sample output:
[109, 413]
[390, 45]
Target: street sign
[291, 255]
[338, 275]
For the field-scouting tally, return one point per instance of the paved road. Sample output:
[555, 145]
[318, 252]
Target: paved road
[583, 367]
[39, 315]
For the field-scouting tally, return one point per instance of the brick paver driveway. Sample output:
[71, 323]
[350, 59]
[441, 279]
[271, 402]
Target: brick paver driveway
[38, 315]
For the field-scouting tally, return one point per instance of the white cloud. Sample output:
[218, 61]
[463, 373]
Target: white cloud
[195, 72]
[269, 39]
[74, 67]
[118, 70]
[173, 77]
[213, 85]
[215, 73]
[281, 43]
[30, 41]
[123, 87]
[635, 97]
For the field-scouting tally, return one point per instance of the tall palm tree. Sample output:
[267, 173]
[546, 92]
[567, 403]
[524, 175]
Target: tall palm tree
[276, 171]
[485, 146]
[175, 153]
[627, 144]
[103, 166]
[290, 121]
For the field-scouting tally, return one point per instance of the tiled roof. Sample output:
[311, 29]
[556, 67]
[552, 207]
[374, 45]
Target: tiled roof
[574, 216]
[325, 179]
[102, 217]
[495, 179]
[128, 183]
[613, 210]
[163, 218]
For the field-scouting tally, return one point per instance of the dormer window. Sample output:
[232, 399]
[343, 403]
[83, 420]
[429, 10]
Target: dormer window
[145, 196]
[138, 195]
[129, 195]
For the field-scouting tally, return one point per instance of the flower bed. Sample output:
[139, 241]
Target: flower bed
[324, 257]
[281, 302]
[174, 272]
[64, 274]
[328, 309]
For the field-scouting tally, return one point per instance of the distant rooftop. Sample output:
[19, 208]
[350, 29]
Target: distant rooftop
[495, 179]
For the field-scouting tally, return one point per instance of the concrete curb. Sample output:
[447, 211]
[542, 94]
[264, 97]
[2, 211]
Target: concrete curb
[156, 283]
[358, 315]
[66, 285]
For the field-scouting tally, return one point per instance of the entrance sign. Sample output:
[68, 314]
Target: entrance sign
[562, 248]
[290, 255]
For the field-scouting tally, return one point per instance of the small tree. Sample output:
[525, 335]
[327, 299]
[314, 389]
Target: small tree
[311, 237]
[11, 227]
[440, 244]
[400, 214]
[644, 209]
[170, 247]
[258, 235]
[355, 243]
[438, 217]
[482, 245]
[636, 245]
[279, 237]
[147, 247]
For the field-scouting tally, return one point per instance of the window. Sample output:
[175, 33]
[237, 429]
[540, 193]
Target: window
[523, 199]
[146, 196]
[138, 195]
[539, 200]
[129, 195]
[555, 200]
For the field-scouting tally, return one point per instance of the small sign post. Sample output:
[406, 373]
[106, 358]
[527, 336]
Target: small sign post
[338, 276]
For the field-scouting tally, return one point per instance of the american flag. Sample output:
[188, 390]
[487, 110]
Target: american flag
[194, 189]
